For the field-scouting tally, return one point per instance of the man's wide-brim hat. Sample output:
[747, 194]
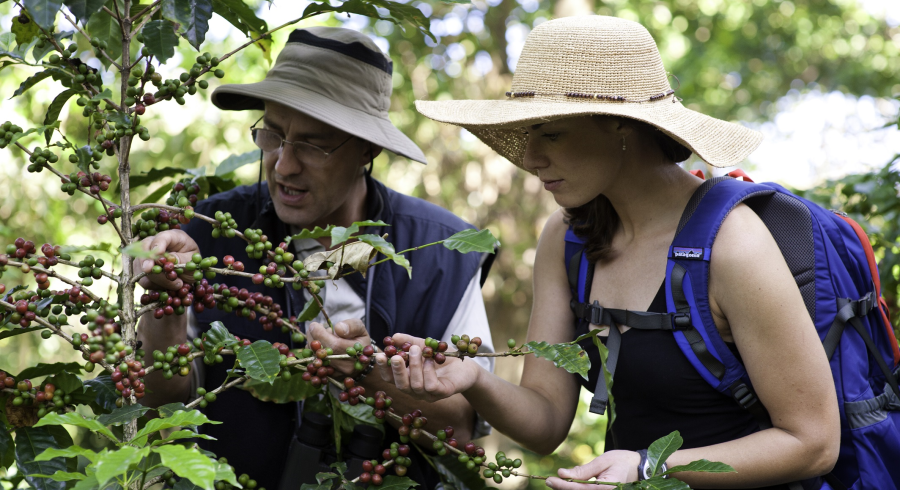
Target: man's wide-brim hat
[338, 76]
[586, 65]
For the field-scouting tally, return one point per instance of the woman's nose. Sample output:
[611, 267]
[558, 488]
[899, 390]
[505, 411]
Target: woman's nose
[534, 156]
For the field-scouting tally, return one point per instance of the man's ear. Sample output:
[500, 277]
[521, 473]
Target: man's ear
[371, 153]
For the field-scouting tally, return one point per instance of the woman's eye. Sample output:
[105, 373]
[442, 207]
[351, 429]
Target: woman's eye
[551, 136]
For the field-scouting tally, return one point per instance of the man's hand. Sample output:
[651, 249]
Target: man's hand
[346, 333]
[175, 242]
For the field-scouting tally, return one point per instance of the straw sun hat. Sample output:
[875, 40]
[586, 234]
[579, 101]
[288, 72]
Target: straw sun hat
[585, 65]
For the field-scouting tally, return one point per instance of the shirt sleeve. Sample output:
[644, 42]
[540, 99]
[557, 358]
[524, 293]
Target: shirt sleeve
[471, 318]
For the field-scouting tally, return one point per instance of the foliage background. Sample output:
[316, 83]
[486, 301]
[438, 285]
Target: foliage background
[741, 60]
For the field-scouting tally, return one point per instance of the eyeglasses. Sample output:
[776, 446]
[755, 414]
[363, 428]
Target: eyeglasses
[269, 141]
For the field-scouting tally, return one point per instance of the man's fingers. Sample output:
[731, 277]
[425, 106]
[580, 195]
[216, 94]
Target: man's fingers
[350, 329]
[400, 338]
[401, 374]
[416, 378]
[384, 368]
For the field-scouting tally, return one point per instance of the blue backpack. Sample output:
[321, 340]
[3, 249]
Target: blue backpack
[834, 267]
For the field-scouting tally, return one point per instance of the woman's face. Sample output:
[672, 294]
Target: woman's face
[576, 158]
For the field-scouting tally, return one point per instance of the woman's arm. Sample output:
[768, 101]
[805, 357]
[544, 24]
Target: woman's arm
[755, 300]
[538, 412]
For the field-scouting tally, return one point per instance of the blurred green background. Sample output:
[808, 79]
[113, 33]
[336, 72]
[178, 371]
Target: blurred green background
[818, 77]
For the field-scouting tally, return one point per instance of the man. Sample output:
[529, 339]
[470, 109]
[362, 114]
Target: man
[326, 106]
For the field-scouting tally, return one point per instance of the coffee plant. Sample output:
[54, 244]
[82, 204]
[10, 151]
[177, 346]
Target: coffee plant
[128, 42]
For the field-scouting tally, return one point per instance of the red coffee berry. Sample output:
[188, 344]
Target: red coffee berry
[388, 341]
[365, 477]
[102, 219]
[390, 351]
[343, 396]
[228, 260]
[258, 278]
[470, 448]
[379, 469]
[440, 358]
[239, 266]
[449, 431]
[377, 479]
[139, 109]
[407, 420]
[368, 351]
[367, 466]
[315, 345]
[349, 383]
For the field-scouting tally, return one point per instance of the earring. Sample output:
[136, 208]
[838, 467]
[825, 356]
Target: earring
[623, 143]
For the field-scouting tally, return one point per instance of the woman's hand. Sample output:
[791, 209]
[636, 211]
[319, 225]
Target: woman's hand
[612, 466]
[424, 379]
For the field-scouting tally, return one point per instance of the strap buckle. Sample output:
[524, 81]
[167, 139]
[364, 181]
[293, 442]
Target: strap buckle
[865, 305]
[744, 396]
[596, 313]
[681, 321]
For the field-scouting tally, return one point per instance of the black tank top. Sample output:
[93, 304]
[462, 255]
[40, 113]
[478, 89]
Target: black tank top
[657, 390]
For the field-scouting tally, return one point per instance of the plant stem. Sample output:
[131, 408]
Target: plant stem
[64, 279]
[142, 12]
[127, 312]
[102, 51]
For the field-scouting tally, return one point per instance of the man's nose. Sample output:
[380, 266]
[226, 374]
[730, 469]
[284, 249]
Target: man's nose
[287, 163]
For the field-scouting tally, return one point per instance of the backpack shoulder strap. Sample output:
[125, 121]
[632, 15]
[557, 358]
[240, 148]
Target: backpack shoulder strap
[687, 289]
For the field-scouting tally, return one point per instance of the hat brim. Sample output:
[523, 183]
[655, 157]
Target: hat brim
[498, 123]
[378, 130]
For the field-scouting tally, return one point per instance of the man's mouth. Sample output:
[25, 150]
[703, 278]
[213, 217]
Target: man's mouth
[291, 191]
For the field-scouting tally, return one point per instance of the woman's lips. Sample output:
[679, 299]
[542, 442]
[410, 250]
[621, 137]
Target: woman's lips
[552, 185]
[290, 195]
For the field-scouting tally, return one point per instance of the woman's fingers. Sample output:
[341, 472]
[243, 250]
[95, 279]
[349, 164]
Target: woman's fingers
[400, 373]
[416, 378]
[384, 368]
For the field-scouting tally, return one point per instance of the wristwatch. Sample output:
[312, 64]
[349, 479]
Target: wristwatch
[644, 467]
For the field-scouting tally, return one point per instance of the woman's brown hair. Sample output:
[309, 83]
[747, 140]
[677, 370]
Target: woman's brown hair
[596, 221]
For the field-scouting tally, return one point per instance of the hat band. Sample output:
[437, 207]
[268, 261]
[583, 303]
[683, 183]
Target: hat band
[580, 95]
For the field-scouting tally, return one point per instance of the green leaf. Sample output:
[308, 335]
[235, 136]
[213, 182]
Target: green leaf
[592, 333]
[39, 53]
[235, 162]
[104, 391]
[455, 474]
[392, 482]
[169, 409]
[137, 251]
[7, 43]
[105, 94]
[115, 463]
[7, 447]
[30, 442]
[103, 27]
[182, 434]
[119, 117]
[260, 360]
[188, 463]
[73, 418]
[158, 194]
[68, 382]
[387, 249]
[340, 234]
[55, 108]
[160, 39]
[215, 339]
[177, 419]
[240, 15]
[185, 484]
[123, 415]
[314, 233]
[63, 476]
[660, 483]
[155, 175]
[18, 331]
[47, 369]
[89, 483]
[608, 379]
[43, 11]
[34, 79]
[225, 473]
[69, 452]
[24, 32]
[315, 486]
[192, 15]
[472, 241]
[84, 9]
[310, 310]
[398, 13]
[325, 477]
[570, 357]
[357, 414]
[702, 466]
[660, 450]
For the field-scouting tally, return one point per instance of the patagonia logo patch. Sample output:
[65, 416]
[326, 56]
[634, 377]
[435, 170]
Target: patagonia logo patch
[687, 253]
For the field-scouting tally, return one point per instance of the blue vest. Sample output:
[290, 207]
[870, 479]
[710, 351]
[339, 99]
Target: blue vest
[255, 435]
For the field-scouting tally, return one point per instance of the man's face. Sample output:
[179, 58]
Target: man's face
[308, 194]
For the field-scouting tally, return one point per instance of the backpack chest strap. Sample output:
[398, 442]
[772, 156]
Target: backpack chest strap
[642, 320]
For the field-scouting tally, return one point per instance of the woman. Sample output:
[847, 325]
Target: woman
[591, 113]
